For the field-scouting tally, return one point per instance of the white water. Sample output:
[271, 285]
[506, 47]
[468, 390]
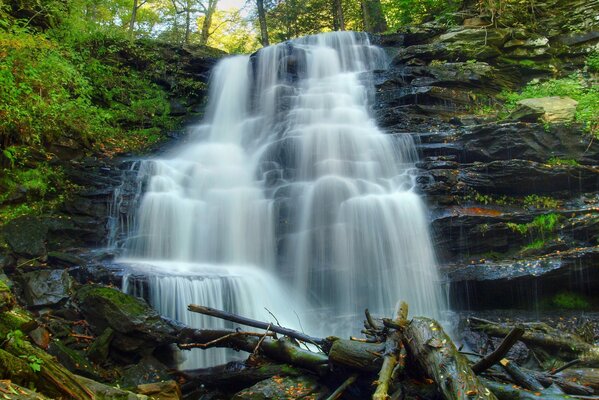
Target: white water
[289, 191]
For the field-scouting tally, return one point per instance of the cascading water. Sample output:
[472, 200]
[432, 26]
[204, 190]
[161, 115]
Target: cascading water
[290, 197]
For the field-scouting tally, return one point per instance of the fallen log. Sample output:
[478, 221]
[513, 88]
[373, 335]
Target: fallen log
[256, 324]
[511, 392]
[52, 379]
[359, 356]
[584, 376]
[279, 350]
[429, 347]
[568, 386]
[338, 393]
[540, 335]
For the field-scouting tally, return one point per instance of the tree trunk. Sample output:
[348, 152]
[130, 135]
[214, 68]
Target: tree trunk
[207, 23]
[372, 13]
[338, 20]
[262, 20]
[133, 17]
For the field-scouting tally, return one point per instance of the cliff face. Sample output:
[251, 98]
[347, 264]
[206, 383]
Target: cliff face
[513, 196]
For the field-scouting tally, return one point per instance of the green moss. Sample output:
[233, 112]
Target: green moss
[535, 245]
[15, 319]
[537, 201]
[7, 300]
[592, 62]
[127, 304]
[570, 301]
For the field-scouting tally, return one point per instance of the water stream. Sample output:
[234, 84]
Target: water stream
[289, 200]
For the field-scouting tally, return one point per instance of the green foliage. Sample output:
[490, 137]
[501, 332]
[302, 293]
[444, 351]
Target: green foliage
[18, 338]
[541, 224]
[570, 301]
[592, 62]
[409, 12]
[574, 86]
[537, 201]
[556, 161]
[535, 245]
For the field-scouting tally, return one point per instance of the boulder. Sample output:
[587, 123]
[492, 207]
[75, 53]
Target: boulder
[475, 37]
[550, 109]
[106, 392]
[46, 287]
[26, 236]
[41, 337]
[168, 390]
[147, 370]
[137, 327]
[282, 388]
[99, 349]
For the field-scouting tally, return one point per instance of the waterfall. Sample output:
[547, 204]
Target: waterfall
[289, 199]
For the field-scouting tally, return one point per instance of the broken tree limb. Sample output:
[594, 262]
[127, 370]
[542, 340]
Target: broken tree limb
[521, 378]
[254, 323]
[494, 357]
[584, 376]
[429, 347]
[391, 356]
[339, 391]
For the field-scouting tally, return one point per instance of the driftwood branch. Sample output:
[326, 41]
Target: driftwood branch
[339, 391]
[494, 357]
[254, 323]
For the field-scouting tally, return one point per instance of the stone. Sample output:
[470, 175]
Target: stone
[106, 392]
[475, 22]
[475, 37]
[283, 388]
[46, 287]
[65, 259]
[138, 328]
[99, 349]
[73, 360]
[550, 109]
[41, 337]
[16, 319]
[168, 390]
[26, 236]
[177, 109]
[147, 370]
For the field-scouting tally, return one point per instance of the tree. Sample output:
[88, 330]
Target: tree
[374, 19]
[338, 20]
[262, 21]
[191, 7]
[137, 4]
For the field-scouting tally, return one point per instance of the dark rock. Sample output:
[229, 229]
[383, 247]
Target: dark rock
[99, 349]
[65, 259]
[520, 177]
[26, 236]
[278, 388]
[46, 287]
[73, 360]
[521, 283]
[41, 337]
[138, 328]
[177, 109]
[168, 390]
[106, 392]
[148, 370]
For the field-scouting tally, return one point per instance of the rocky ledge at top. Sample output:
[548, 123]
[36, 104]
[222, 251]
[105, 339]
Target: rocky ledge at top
[514, 203]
